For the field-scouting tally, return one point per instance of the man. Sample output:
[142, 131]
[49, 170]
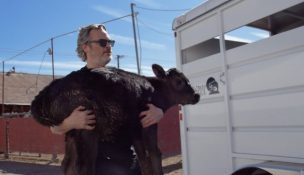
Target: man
[95, 47]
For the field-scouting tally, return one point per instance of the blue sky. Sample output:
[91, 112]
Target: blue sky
[27, 23]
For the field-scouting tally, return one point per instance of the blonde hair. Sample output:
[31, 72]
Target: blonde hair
[83, 38]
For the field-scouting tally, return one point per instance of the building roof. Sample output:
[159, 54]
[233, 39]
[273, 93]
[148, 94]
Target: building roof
[21, 88]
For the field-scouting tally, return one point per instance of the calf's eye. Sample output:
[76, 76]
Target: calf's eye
[179, 84]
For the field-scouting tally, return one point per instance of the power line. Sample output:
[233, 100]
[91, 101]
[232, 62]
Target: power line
[58, 36]
[115, 19]
[41, 65]
[149, 58]
[61, 35]
[165, 10]
[10, 58]
[36, 83]
[153, 29]
[33, 53]
[38, 74]
[18, 51]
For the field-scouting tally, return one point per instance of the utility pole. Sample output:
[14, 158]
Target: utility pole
[135, 38]
[52, 52]
[118, 57]
[6, 119]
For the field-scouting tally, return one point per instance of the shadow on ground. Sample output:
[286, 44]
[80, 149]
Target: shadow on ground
[173, 167]
[39, 166]
[20, 168]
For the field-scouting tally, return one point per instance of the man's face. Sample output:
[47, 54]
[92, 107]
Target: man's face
[97, 56]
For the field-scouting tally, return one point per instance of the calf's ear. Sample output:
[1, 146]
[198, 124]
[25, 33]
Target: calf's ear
[158, 71]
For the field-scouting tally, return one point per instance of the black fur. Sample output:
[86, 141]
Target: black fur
[116, 97]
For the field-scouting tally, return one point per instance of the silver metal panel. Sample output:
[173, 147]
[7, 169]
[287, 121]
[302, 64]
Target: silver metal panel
[206, 115]
[207, 153]
[282, 110]
[207, 28]
[269, 141]
[247, 11]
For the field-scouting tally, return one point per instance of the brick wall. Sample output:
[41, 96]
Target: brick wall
[26, 135]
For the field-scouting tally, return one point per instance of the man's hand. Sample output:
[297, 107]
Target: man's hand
[151, 116]
[78, 119]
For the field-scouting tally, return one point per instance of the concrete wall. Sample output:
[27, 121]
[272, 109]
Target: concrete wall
[26, 135]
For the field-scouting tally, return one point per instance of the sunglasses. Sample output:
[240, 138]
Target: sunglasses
[103, 42]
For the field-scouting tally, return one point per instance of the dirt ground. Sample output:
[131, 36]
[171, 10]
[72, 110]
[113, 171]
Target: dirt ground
[45, 164]
[173, 165]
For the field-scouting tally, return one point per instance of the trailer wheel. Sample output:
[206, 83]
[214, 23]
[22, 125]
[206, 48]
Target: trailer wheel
[251, 171]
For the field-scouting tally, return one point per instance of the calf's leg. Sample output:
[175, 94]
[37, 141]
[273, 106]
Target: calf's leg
[68, 164]
[150, 140]
[87, 148]
[143, 159]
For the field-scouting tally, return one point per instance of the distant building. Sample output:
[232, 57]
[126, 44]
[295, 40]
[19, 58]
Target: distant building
[19, 91]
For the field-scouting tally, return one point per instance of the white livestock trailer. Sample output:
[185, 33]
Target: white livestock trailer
[246, 59]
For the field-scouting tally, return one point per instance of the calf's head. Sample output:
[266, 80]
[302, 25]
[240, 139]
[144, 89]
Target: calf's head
[179, 88]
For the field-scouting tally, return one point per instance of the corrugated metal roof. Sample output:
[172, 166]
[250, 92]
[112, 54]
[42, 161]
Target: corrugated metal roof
[21, 88]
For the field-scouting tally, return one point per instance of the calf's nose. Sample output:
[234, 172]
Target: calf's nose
[196, 98]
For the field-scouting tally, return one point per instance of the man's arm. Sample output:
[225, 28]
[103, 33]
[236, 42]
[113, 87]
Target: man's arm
[78, 119]
[151, 116]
